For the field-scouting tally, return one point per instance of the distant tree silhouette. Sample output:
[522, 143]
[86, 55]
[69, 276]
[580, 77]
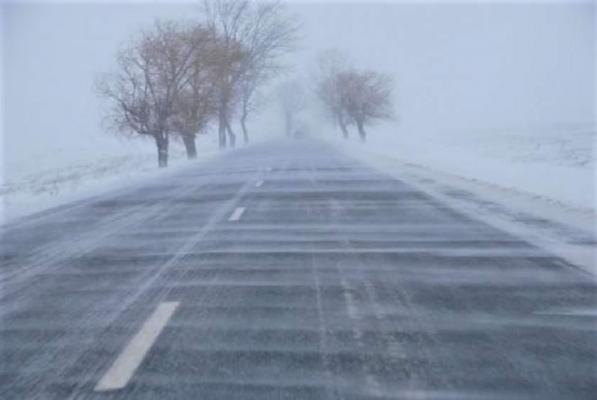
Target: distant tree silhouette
[352, 96]
[292, 99]
[260, 33]
[365, 96]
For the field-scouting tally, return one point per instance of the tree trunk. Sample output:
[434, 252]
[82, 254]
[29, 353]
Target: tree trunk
[243, 125]
[189, 144]
[231, 134]
[222, 128]
[161, 141]
[343, 128]
[362, 133]
[288, 121]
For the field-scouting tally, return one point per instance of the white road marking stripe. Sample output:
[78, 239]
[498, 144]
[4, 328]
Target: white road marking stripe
[133, 354]
[238, 212]
[579, 312]
[259, 183]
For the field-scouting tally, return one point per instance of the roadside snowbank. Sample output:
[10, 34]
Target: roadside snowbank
[556, 165]
[48, 179]
[536, 185]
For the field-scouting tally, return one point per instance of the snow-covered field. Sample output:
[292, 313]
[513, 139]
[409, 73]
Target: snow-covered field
[34, 182]
[538, 184]
[554, 164]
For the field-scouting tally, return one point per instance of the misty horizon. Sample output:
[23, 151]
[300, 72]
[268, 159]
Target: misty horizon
[456, 67]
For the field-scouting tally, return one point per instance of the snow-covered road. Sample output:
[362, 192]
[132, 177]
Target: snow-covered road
[286, 270]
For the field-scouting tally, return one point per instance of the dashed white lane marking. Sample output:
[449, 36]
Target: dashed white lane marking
[259, 183]
[236, 214]
[131, 357]
[573, 312]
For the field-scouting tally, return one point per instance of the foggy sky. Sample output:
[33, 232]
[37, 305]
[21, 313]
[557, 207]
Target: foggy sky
[473, 65]
[456, 67]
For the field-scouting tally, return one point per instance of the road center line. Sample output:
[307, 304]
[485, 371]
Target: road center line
[133, 354]
[259, 183]
[236, 214]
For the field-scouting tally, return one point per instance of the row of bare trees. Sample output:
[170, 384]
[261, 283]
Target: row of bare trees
[351, 96]
[293, 100]
[176, 78]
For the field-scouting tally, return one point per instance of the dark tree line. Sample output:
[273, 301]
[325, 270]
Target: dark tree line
[175, 78]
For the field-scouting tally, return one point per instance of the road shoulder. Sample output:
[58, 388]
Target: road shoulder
[564, 231]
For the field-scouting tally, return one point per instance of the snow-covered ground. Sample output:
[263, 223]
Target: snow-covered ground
[554, 164]
[538, 184]
[60, 174]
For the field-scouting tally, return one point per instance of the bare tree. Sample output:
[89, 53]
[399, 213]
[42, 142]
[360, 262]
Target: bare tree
[264, 33]
[249, 98]
[350, 96]
[292, 99]
[269, 34]
[196, 105]
[226, 19]
[143, 92]
[365, 96]
[331, 64]
[227, 61]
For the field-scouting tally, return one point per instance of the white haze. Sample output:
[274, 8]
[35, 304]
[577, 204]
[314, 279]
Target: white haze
[466, 66]
[469, 66]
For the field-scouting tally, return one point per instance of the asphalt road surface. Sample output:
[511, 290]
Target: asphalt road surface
[286, 271]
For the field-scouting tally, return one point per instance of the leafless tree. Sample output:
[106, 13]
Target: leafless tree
[196, 105]
[227, 61]
[331, 64]
[292, 99]
[365, 96]
[263, 33]
[143, 92]
[351, 96]
[250, 100]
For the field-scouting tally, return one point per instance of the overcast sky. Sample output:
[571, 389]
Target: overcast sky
[456, 67]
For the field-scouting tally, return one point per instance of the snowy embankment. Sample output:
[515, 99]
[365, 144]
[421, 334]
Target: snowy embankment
[539, 185]
[34, 182]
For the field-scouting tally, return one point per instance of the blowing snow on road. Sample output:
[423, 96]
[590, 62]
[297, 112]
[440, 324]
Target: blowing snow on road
[286, 271]
[298, 200]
